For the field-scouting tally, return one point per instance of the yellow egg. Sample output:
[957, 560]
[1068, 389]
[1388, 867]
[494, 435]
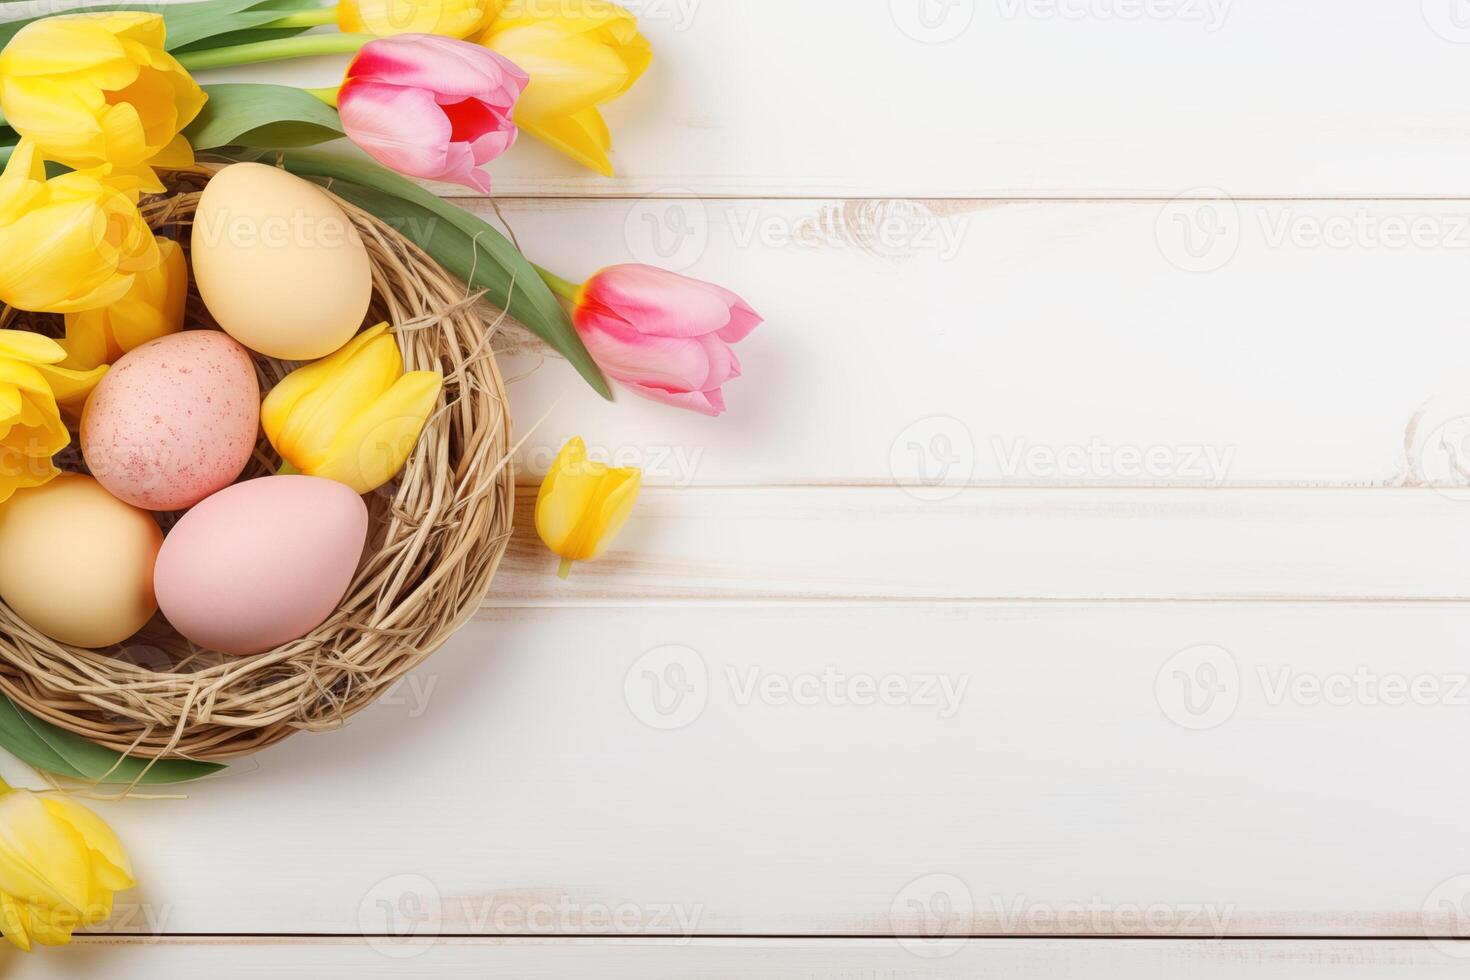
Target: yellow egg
[78, 562]
[278, 263]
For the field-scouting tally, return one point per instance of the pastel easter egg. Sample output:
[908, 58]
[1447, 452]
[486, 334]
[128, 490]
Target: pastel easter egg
[278, 263]
[78, 562]
[261, 563]
[173, 420]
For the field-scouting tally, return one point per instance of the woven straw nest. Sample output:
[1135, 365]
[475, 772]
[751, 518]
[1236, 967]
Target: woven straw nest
[437, 534]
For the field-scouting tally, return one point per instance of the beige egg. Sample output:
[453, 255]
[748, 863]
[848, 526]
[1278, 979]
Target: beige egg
[278, 263]
[78, 562]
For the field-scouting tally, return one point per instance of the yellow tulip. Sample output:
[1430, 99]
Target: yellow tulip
[98, 88]
[451, 18]
[583, 505]
[59, 866]
[31, 430]
[354, 416]
[579, 54]
[153, 308]
[71, 243]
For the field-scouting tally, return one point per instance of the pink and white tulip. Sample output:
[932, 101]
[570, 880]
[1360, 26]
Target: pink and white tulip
[431, 107]
[665, 336]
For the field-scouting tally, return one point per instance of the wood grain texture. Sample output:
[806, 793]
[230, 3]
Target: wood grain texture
[891, 545]
[1281, 769]
[760, 960]
[1026, 98]
[1038, 344]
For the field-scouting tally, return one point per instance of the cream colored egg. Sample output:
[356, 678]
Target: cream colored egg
[78, 562]
[278, 263]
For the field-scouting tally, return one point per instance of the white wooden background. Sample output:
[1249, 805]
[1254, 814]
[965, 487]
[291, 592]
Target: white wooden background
[1077, 586]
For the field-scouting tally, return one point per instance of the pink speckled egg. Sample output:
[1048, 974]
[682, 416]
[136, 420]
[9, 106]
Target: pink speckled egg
[261, 563]
[173, 421]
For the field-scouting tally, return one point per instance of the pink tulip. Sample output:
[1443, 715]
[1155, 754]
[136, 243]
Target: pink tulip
[431, 107]
[664, 335]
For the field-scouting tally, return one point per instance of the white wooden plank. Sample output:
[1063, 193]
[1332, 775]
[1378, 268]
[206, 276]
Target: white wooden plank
[774, 959]
[1038, 343]
[876, 544]
[1281, 769]
[1029, 98]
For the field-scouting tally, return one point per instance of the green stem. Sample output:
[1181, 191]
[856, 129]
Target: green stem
[566, 290]
[327, 95]
[304, 18]
[565, 570]
[280, 49]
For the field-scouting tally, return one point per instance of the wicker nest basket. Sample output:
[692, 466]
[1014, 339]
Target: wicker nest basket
[437, 534]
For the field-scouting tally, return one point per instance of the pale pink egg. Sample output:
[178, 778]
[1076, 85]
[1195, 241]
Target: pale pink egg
[173, 420]
[261, 563]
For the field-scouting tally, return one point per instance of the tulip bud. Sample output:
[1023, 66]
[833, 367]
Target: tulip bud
[354, 416]
[583, 505]
[431, 107]
[59, 867]
[99, 88]
[667, 337]
[580, 54]
[71, 243]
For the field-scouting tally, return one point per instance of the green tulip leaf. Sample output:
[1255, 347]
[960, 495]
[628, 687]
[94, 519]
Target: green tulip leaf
[466, 245]
[192, 25]
[262, 116]
[44, 746]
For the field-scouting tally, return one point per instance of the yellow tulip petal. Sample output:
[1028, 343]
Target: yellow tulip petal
[41, 860]
[567, 491]
[178, 154]
[54, 114]
[10, 402]
[12, 923]
[449, 18]
[23, 376]
[116, 872]
[373, 446]
[307, 437]
[283, 398]
[569, 71]
[71, 388]
[27, 346]
[605, 514]
[50, 926]
[99, 905]
[584, 137]
[58, 46]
